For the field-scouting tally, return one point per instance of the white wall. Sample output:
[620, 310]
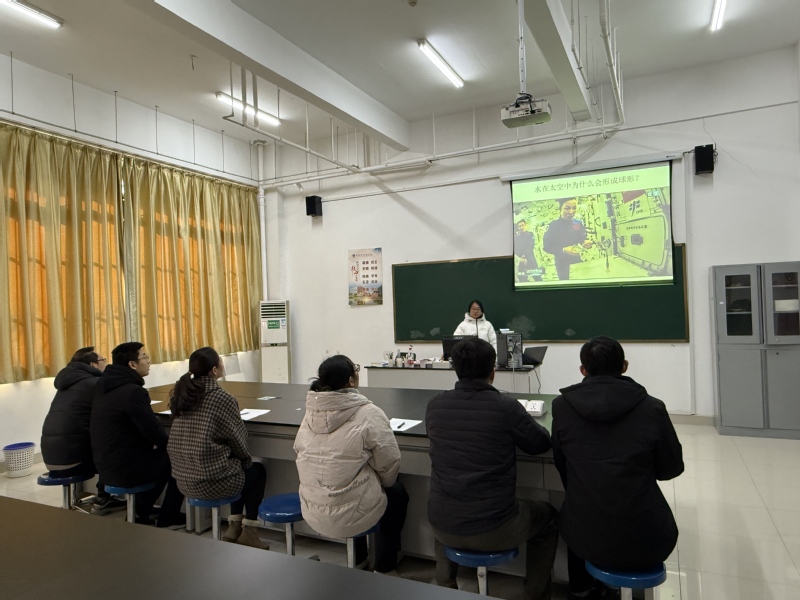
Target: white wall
[747, 211]
[44, 100]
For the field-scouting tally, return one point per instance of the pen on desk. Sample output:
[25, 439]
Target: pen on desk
[401, 425]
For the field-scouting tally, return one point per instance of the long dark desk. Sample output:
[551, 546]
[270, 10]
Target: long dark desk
[272, 435]
[49, 552]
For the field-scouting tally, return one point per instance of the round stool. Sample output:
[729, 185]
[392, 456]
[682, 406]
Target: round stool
[130, 496]
[283, 508]
[480, 560]
[351, 547]
[69, 488]
[627, 581]
[214, 505]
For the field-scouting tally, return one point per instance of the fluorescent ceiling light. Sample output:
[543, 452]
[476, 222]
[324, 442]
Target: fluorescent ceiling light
[34, 12]
[717, 15]
[237, 104]
[440, 63]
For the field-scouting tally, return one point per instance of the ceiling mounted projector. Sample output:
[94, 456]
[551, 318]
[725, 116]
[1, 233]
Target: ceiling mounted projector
[525, 111]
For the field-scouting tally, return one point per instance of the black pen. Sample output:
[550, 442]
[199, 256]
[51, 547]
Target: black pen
[401, 425]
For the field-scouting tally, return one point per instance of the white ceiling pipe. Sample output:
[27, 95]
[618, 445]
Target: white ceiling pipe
[611, 60]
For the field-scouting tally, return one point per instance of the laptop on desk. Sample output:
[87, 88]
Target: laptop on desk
[534, 356]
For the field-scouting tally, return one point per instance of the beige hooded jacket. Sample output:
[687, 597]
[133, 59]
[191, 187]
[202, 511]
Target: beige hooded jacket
[346, 454]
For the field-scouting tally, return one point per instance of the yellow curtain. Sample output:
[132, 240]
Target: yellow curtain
[59, 254]
[192, 255]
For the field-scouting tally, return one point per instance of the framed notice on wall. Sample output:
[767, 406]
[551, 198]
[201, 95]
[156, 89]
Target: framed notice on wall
[366, 277]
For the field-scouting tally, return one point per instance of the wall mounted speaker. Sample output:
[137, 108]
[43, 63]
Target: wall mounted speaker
[314, 206]
[704, 159]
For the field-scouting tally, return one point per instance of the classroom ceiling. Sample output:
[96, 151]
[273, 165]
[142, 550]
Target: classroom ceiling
[143, 49]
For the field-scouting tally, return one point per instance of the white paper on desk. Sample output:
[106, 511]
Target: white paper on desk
[403, 424]
[165, 412]
[252, 413]
[267, 398]
[155, 402]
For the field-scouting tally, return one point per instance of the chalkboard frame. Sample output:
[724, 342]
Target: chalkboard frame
[680, 278]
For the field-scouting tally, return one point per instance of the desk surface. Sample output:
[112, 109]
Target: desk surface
[288, 407]
[53, 553]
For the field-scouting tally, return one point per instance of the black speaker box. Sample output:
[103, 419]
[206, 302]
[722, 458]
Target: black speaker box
[314, 206]
[704, 159]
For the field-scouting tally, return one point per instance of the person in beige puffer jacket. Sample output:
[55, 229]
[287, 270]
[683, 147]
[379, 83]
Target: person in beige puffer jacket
[348, 460]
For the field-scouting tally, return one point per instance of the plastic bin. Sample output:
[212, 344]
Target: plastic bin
[19, 459]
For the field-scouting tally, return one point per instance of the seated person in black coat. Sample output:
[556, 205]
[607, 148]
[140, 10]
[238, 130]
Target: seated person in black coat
[66, 447]
[611, 443]
[128, 443]
[474, 433]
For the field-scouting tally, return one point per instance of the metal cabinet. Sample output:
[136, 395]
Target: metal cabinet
[757, 325]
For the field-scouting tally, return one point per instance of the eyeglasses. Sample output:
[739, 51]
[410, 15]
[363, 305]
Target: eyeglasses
[101, 359]
[356, 368]
[143, 357]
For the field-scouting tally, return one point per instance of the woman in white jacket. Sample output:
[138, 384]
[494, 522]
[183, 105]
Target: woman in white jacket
[348, 460]
[475, 323]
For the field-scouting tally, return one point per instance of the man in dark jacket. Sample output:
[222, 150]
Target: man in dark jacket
[474, 433]
[611, 443]
[66, 447]
[128, 443]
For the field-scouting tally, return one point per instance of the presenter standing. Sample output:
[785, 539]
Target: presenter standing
[565, 237]
[475, 323]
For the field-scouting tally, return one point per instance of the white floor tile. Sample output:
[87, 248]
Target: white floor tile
[714, 468]
[707, 447]
[710, 586]
[787, 522]
[705, 430]
[719, 488]
[781, 496]
[759, 559]
[671, 588]
[793, 546]
[742, 521]
[766, 442]
[756, 456]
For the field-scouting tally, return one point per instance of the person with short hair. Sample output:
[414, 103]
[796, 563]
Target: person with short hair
[612, 443]
[129, 445]
[208, 447]
[475, 323]
[565, 238]
[66, 444]
[348, 461]
[474, 432]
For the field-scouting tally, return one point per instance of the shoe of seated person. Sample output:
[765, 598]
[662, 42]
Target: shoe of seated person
[171, 522]
[108, 504]
[249, 536]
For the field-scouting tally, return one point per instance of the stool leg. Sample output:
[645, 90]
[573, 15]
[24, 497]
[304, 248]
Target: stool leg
[189, 517]
[650, 594]
[65, 496]
[290, 539]
[131, 500]
[215, 523]
[351, 553]
[625, 594]
[483, 587]
[372, 551]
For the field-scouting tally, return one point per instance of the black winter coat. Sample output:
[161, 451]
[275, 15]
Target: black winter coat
[125, 429]
[65, 433]
[611, 443]
[474, 432]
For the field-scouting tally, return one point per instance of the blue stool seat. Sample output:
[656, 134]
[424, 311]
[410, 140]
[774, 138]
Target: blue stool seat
[45, 479]
[634, 580]
[283, 508]
[480, 560]
[122, 491]
[69, 485]
[130, 496]
[213, 503]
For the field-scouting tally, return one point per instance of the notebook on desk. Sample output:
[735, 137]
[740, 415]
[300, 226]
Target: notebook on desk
[534, 356]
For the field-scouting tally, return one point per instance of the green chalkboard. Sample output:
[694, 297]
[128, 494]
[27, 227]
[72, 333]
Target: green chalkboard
[430, 300]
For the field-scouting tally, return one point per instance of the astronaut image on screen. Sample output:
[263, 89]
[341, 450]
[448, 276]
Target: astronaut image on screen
[603, 237]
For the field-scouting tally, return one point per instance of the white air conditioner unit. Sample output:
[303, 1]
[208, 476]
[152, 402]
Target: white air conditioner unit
[276, 355]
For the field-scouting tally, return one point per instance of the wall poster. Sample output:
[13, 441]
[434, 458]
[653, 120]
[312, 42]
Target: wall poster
[366, 276]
